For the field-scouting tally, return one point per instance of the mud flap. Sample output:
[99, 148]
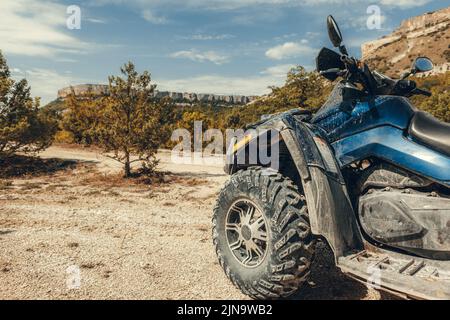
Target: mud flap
[402, 275]
[331, 212]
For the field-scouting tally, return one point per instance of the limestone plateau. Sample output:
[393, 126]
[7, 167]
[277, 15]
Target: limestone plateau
[424, 35]
[186, 97]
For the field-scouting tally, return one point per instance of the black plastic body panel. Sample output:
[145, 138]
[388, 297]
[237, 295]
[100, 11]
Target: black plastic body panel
[413, 222]
[330, 209]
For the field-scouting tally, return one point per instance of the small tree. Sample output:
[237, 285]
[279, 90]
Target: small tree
[302, 89]
[23, 127]
[131, 121]
[83, 117]
[439, 103]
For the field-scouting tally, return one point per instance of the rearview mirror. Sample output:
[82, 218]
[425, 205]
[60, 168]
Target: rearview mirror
[422, 64]
[333, 32]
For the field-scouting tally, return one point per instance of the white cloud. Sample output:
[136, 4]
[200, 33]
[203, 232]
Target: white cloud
[152, 18]
[289, 50]
[219, 4]
[312, 35]
[286, 36]
[279, 71]
[195, 55]
[228, 85]
[259, 14]
[36, 28]
[204, 4]
[228, 5]
[45, 82]
[404, 3]
[205, 37]
[96, 21]
[360, 23]
[216, 84]
[356, 42]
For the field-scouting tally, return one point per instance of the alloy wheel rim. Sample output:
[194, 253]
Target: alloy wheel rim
[246, 230]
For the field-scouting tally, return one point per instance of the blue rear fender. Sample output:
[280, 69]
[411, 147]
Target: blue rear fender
[392, 145]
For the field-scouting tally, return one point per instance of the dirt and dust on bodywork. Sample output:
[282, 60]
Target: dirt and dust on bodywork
[332, 214]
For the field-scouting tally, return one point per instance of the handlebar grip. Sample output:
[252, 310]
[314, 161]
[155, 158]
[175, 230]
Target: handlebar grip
[424, 92]
[333, 70]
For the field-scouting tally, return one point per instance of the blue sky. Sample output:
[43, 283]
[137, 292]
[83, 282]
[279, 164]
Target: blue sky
[208, 46]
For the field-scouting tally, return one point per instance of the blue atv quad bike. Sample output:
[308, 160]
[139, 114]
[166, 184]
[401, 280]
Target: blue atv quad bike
[368, 173]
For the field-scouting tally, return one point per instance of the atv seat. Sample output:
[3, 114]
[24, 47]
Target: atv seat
[430, 131]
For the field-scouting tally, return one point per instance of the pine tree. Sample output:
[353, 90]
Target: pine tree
[23, 127]
[130, 125]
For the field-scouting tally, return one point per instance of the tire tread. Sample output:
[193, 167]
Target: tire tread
[289, 264]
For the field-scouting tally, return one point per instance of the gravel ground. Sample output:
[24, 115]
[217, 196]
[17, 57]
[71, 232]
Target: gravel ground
[126, 241]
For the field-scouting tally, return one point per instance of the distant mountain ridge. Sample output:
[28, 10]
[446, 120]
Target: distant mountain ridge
[186, 97]
[424, 35]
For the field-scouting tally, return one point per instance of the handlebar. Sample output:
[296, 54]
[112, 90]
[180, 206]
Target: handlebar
[409, 88]
[422, 92]
[374, 83]
[334, 71]
[347, 60]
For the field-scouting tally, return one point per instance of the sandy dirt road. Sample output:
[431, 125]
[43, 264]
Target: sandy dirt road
[125, 241]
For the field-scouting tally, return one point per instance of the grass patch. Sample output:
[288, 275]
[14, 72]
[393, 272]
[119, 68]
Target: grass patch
[95, 178]
[99, 179]
[185, 181]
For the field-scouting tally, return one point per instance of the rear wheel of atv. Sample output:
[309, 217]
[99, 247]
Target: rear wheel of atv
[262, 234]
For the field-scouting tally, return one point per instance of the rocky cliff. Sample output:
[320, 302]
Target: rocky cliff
[425, 35]
[186, 97]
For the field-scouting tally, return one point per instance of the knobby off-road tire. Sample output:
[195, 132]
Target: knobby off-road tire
[289, 246]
